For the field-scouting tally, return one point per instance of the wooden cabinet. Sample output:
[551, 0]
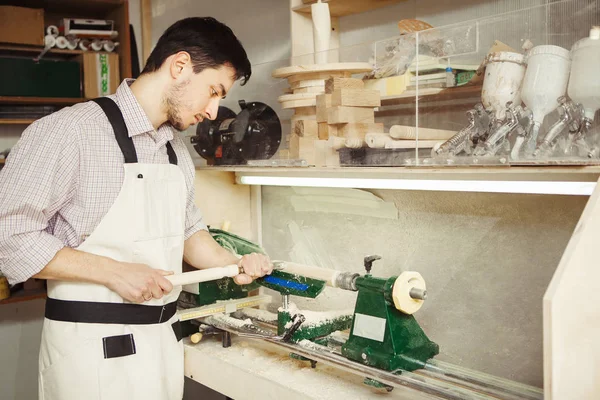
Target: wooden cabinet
[54, 12]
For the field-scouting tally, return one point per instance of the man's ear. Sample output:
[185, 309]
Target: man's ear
[179, 63]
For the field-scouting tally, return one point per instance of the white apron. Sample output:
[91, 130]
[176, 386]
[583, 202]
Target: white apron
[115, 359]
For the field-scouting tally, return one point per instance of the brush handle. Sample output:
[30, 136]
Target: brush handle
[204, 275]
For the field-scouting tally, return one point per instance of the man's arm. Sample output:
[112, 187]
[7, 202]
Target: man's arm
[39, 179]
[134, 282]
[202, 251]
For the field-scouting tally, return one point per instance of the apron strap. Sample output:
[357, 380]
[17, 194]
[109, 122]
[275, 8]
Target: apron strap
[112, 111]
[171, 153]
[115, 116]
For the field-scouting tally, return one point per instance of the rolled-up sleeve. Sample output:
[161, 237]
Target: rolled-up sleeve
[39, 178]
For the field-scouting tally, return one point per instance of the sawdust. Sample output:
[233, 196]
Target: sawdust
[226, 319]
[317, 318]
[322, 382]
[260, 315]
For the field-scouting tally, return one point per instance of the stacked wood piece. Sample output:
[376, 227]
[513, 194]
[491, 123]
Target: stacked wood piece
[308, 138]
[347, 110]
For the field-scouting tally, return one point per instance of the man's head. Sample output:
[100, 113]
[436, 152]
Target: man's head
[201, 59]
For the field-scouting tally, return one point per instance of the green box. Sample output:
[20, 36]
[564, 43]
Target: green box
[46, 78]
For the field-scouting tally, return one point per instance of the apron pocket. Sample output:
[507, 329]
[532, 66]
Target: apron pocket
[177, 330]
[72, 377]
[118, 346]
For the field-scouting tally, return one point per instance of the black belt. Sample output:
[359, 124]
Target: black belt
[108, 313]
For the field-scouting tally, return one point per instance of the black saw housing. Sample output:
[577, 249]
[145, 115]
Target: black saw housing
[234, 139]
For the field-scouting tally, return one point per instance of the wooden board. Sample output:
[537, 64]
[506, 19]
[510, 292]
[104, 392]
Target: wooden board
[340, 8]
[297, 96]
[314, 89]
[572, 314]
[313, 76]
[299, 103]
[356, 98]
[353, 68]
[342, 115]
[332, 84]
[308, 83]
[305, 111]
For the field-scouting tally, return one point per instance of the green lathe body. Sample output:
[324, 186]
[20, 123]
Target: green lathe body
[382, 336]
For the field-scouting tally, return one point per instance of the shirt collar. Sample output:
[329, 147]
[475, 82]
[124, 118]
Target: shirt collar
[136, 120]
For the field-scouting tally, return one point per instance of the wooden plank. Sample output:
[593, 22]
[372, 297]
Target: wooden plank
[305, 128]
[308, 83]
[428, 95]
[314, 89]
[120, 15]
[16, 121]
[39, 100]
[317, 76]
[298, 96]
[349, 67]
[342, 115]
[146, 16]
[323, 104]
[572, 315]
[305, 111]
[355, 98]
[299, 103]
[341, 8]
[334, 83]
[24, 295]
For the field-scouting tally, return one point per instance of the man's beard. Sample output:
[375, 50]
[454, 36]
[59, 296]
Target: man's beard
[173, 104]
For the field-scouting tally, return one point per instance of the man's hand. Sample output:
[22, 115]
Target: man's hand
[254, 266]
[138, 283]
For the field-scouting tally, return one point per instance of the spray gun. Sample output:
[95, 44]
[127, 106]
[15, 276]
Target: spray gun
[517, 119]
[571, 116]
[464, 140]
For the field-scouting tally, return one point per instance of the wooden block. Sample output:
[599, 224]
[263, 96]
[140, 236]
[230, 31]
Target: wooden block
[343, 115]
[303, 148]
[358, 131]
[294, 147]
[356, 98]
[334, 83]
[332, 130]
[324, 130]
[315, 89]
[323, 103]
[305, 111]
[305, 128]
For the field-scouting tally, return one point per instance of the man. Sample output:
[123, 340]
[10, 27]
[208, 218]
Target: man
[98, 199]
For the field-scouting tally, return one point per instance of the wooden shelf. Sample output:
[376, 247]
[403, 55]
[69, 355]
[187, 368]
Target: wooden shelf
[24, 295]
[16, 121]
[429, 95]
[36, 50]
[64, 101]
[341, 8]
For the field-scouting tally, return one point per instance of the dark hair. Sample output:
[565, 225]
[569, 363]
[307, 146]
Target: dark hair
[209, 42]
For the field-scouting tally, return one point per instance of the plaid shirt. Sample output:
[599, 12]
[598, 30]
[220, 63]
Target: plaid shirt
[64, 174]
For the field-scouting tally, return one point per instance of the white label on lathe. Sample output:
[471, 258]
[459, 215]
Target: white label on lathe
[369, 327]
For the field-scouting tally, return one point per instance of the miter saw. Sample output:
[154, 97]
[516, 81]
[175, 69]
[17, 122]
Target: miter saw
[234, 139]
[378, 339]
